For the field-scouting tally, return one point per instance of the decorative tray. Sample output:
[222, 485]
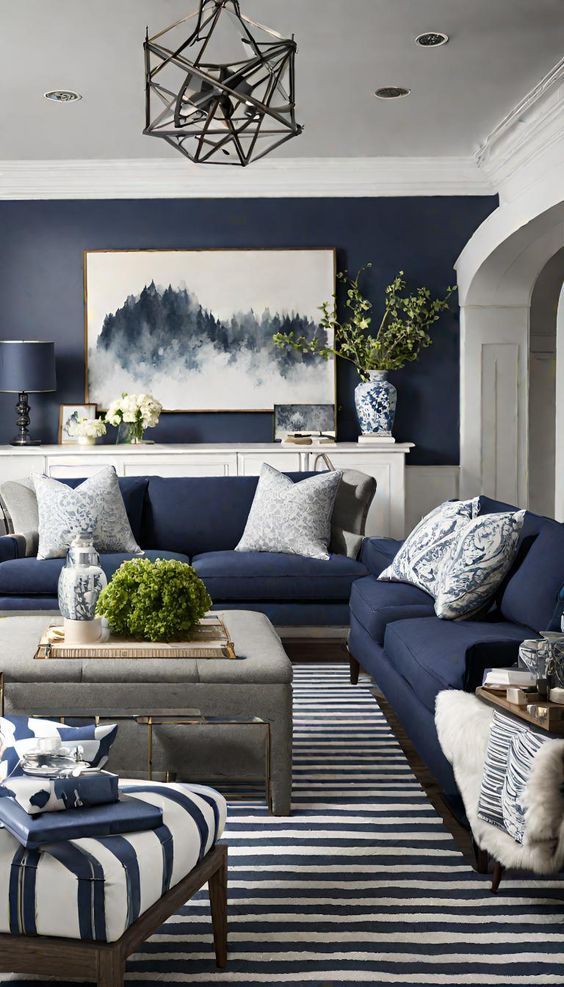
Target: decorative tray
[209, 639]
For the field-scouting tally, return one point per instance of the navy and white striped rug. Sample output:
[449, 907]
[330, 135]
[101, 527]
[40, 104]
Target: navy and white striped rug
[363, 884]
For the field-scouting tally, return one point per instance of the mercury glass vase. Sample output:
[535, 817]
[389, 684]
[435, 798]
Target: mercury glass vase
[375, 402]
[81, 581]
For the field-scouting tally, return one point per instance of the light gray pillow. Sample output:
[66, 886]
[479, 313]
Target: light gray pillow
[291, 517]
[476, 564]
[421, 556]
[96, 506]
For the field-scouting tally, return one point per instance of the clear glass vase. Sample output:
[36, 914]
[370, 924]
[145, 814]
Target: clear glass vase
[130, 433]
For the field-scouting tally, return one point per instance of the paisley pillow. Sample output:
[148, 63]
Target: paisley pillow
[476, 564]
[419, 559]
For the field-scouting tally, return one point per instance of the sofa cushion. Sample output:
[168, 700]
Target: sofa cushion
[375, 604]
[39, 577]
[531, 594]
[377, 553]
[434, 654]
[276, 576]
[195, 514]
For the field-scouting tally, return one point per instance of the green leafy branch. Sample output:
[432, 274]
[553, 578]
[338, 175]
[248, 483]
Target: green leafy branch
[402, 334]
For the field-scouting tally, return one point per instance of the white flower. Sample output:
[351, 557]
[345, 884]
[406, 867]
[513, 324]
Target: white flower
[88, 428]
[133, 408]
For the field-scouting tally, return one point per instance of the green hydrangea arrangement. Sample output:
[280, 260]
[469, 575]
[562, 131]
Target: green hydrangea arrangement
[157, 601]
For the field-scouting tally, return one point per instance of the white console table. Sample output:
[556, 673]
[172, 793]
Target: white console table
[385, 462]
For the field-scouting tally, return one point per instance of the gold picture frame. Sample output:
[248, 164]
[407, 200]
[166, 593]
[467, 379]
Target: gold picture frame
[324, 294]
[88, 407]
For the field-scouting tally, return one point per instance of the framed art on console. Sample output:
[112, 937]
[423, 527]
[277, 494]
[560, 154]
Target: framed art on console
[69, 415]
[194, 327]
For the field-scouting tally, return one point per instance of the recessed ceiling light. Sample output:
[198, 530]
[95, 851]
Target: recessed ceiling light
[62, 96]
[431, 39]
[392, 92]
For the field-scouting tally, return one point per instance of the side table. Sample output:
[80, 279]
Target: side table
[538, 712]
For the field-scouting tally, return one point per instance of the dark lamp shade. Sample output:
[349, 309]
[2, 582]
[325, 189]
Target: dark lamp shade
[27, 365]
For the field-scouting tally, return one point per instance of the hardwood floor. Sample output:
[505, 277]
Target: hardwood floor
[461, 835]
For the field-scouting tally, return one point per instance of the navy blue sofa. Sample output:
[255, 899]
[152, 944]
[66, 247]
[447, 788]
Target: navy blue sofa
[200, 520]
[413, 655]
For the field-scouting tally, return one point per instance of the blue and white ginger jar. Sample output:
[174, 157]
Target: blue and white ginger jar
[81, 581]
[375, 402]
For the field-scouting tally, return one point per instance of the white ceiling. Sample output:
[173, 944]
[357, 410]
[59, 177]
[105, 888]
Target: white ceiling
[499, 49]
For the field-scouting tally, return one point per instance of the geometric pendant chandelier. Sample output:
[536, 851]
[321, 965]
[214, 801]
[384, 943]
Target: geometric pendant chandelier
[225, 94]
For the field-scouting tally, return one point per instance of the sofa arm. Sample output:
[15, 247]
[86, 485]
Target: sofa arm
[377, 553]
[488, 654]
[11, 547]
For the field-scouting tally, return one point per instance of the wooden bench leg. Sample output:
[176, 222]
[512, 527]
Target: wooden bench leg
[111, 968]
[481, 858]
[497, 876]
[355, 669]
[218, 902]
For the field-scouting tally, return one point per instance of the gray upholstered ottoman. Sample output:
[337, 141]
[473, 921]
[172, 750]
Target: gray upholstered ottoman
[256, 684]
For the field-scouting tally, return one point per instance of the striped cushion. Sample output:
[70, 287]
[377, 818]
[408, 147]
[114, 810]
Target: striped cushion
[522, 750]
[95, 888]
[502, 732]
[18, 734]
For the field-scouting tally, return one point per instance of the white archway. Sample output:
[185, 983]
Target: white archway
[496, 274]
[559, 458]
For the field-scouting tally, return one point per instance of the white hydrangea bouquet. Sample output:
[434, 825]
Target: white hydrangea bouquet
[87, 430]
[136, 412]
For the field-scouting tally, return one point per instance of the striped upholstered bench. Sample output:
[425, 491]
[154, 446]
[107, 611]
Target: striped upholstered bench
[78, 909]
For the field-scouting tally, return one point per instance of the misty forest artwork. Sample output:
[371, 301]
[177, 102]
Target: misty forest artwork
[195, 327]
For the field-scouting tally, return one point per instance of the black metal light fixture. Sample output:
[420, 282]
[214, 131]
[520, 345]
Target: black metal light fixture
[225, 94]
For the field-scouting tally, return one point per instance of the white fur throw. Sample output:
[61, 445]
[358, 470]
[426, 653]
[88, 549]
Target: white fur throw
[463, 726]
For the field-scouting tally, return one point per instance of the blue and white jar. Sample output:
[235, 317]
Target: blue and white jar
[375, 402]
[81, 581]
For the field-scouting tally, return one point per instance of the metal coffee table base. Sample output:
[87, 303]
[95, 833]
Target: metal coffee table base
[173, 717]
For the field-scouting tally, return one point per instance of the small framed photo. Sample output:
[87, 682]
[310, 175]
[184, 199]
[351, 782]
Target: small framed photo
[68, 415]
[316, 420]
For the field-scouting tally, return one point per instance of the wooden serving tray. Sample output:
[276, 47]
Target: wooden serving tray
[209, 639]
[538, 712]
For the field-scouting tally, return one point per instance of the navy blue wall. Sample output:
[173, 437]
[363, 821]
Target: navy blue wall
[41, 291]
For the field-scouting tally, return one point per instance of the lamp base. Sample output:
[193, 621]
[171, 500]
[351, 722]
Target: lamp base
[25, 441]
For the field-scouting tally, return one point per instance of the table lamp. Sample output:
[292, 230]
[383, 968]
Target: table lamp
[26, 366]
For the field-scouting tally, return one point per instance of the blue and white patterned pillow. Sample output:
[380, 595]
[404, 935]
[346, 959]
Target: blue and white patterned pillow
[476, 564]
[420, 557]
[291, 517]
[503, 731]
[522, 751]
[96, 506]
[18, 734]
[36, 795]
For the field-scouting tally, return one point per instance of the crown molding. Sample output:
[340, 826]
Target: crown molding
[156, 178]
[529, 140]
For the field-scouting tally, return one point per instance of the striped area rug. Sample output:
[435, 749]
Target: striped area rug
[363, 883]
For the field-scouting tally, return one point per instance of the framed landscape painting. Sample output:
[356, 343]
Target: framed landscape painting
[194, 327]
